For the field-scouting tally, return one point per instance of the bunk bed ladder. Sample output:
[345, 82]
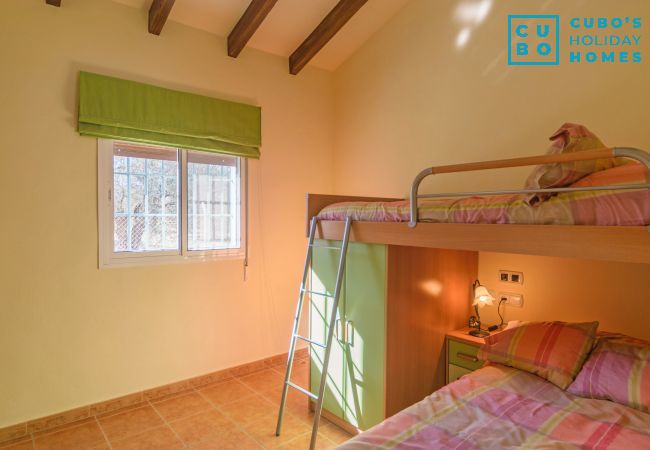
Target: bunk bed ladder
[330, 330]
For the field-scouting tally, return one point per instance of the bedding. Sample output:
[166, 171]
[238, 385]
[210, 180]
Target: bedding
[570, 138]
[499, 407]
[604, 208]
[554, 351]
[619, 370]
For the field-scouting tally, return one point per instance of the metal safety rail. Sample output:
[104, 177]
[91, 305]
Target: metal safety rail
[623, 152]
[327, 345]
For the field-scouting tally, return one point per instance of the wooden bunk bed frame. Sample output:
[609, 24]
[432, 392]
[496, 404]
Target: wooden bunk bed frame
[610, 243]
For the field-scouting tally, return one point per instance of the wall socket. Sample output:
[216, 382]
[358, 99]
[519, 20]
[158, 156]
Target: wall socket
[512, 299]
[508, 276]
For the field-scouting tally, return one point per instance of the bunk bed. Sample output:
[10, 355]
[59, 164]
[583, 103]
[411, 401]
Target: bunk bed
[613, 243]
[402, 246]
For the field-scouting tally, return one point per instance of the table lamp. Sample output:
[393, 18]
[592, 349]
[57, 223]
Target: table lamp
[482, 297]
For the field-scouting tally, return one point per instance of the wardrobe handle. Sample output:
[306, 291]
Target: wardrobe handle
[339, 331]
[466, 357]
[349, 333]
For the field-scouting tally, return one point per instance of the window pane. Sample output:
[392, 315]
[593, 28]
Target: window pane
[120, 190]
[171, 195]
[137, 165]
[120, 231]
[154, 166]
[145, 201]
[213, 201]
[119, 164]
[136, 194]
[170, 231]
[154, 197]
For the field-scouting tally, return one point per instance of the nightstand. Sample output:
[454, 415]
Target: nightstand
[461, 350]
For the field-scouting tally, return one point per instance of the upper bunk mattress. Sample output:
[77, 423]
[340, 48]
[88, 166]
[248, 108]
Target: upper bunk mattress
[605, 208]
[499, 407]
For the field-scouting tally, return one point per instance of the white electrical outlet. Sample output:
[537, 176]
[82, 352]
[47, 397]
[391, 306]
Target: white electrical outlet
[512, 299]
[508, 276]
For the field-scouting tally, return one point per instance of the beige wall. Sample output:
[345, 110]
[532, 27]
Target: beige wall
[410, 98]
[615, 294]
[71, 334]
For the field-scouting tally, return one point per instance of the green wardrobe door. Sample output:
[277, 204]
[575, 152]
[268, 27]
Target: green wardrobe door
[365, 299]
[323, 279]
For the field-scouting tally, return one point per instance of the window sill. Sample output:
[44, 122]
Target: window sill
[135, 260]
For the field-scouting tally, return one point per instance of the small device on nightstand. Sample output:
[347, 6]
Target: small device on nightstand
[462, 349]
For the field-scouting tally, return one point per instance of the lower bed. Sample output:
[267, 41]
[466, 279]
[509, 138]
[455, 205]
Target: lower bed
[499, 407]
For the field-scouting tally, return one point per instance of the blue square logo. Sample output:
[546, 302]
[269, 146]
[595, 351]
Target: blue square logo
[533, 40]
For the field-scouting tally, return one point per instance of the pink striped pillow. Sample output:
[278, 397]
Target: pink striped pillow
[618, 370]
[552, 350]
[569, 138]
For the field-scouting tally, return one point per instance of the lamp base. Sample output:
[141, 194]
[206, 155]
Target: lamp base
[479, 333]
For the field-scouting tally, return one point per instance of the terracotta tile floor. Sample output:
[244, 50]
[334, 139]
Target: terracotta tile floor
[236, 414]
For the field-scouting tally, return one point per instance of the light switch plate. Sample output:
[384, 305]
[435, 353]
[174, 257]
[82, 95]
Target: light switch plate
[509, 276]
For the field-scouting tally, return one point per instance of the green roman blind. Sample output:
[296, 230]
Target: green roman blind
[121, 109]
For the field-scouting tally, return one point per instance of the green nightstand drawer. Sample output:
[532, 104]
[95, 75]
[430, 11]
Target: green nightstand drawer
[463, 355]
[455, 372]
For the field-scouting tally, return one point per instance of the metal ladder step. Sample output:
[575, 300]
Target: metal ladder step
[304, 391]
[311, 341]
[322, 294]
[326, 247]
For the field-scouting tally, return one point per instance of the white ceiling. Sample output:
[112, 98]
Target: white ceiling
[286, 26]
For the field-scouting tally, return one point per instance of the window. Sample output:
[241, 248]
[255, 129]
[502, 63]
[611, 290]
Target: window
[159, 204]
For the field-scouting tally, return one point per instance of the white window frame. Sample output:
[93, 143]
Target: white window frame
[109, 258]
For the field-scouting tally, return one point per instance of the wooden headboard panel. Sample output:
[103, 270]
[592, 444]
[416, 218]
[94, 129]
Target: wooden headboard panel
[316, 202]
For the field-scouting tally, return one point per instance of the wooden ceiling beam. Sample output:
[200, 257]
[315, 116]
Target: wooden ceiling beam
[158, 13]
[248, 24]
[53, 2]
[331, 24]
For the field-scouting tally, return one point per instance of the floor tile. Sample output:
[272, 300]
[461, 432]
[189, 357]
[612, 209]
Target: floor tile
[299, 372]
[18, 444]
[263, 380]
[334, 433]
[85, 436]
[229, 439]
[202, 426]
[182, 405]
[249, 410]
[161, 438]
[227, 392]
[263, 430]
[129, 423]
[297, 403]
[302, 443]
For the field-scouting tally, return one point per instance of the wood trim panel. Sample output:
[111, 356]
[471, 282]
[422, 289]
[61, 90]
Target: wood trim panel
[158, 14]
[428, 295]
[316, 202]
[248, 24]
[331, 24]
[624, 244]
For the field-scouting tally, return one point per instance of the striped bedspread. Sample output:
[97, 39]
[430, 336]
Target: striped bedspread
[499, 407]
[605, 208]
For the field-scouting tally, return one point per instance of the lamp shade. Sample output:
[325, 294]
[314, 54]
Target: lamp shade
[482, 296]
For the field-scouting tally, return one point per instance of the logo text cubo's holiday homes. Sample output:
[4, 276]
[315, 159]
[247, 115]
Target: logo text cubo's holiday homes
[534, 40]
